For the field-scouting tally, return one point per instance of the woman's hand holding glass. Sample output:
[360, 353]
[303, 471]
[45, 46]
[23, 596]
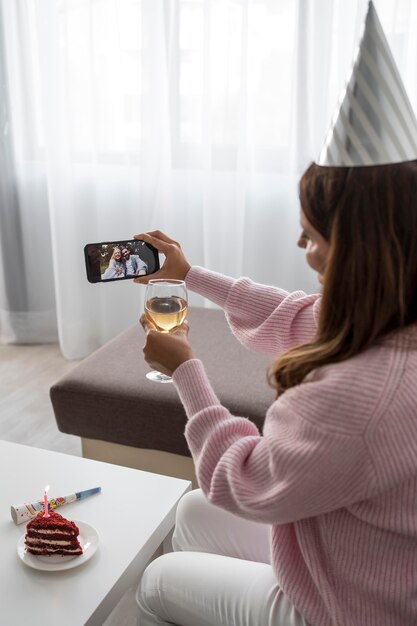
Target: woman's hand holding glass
[165, 309]
[164, 352]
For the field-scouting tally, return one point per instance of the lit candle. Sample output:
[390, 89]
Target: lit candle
[45, 502]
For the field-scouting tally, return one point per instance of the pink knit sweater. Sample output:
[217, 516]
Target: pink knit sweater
[335, 470]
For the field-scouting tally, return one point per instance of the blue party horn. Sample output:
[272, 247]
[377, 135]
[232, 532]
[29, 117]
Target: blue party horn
[25, 512]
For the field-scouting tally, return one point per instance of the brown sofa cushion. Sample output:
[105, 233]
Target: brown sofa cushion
[108, 397]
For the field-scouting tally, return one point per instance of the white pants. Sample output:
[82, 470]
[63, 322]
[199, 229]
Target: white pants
[218, 575]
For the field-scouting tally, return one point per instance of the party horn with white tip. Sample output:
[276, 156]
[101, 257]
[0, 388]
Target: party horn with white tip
[24, 512]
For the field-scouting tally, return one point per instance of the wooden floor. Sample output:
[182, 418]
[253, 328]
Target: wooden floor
[26, 416]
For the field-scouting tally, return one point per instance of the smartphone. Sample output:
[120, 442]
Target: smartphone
[119, 260]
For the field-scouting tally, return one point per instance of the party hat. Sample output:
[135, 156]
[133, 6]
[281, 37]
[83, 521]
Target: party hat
[374, 122]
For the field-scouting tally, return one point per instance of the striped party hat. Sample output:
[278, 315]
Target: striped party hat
[374, 122]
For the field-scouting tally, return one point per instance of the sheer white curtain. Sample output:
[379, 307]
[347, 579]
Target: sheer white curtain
[192, 116]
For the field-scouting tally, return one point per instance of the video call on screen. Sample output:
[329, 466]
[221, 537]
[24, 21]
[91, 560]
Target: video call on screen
[119, 260]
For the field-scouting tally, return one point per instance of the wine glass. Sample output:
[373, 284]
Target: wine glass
[166, 306]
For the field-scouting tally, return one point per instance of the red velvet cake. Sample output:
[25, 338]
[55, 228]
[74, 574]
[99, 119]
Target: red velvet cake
[52, 535]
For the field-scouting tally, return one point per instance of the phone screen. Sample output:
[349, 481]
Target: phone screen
[119, 260]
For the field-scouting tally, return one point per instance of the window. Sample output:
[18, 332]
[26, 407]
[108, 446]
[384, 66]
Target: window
[226, 70]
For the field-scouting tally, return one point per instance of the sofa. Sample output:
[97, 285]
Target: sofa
[126, 419]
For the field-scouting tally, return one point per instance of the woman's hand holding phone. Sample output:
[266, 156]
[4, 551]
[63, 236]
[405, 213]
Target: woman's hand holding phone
[175, 264]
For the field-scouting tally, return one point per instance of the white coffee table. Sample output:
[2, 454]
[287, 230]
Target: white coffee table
[133, 515]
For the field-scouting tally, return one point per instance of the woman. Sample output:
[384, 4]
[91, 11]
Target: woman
[116, 267]
[314, 521]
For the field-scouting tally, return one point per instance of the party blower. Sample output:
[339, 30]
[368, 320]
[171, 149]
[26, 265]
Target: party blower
[24, 512]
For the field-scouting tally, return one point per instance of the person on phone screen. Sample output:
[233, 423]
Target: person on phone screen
[312, 521]
[134, 264]
[116, 267]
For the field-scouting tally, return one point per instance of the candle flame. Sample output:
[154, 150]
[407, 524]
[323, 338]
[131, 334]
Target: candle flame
[46, 488]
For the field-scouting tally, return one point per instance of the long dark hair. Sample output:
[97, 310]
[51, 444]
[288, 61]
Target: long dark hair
[369, 217]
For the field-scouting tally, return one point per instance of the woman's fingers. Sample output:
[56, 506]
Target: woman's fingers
[181, 329]
[175, 264]
[159, 244]
[146, 323]
[157, 234]
[166, 351]
[159, 241]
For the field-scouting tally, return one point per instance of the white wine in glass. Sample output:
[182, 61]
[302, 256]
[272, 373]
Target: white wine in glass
[166, 306]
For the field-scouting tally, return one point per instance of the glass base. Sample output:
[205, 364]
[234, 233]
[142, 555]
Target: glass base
[157, 377]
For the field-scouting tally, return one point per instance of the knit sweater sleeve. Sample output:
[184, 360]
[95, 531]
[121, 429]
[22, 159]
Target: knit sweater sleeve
[263, 318]
[312, 457]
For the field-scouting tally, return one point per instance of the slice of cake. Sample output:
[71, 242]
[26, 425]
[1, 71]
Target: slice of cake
[52, 535]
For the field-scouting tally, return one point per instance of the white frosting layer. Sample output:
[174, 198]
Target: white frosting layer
[35, 541]
[69, 550]
[41, 531]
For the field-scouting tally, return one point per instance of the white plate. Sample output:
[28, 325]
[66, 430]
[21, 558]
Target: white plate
[88, 539]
